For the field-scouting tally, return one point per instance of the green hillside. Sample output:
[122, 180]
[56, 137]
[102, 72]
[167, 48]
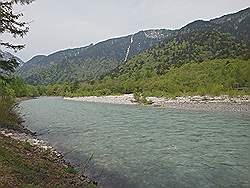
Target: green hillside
[188, 48]
[89, 62]
[224, 37]
[212, 77]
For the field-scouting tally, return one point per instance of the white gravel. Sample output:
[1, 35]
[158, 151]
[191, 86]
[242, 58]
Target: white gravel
[23, 137]
[207, 103]
[119, 99]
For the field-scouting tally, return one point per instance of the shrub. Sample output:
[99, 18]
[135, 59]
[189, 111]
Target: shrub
[141, 99]
[9, 116]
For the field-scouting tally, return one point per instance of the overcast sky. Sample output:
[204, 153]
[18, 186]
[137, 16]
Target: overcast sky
[60, 24]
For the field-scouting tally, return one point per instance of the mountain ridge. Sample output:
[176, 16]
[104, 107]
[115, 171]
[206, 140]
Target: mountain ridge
[96, 60]
[112, 51]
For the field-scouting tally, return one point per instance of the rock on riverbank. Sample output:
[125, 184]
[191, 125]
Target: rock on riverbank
[207, 103]
[112, 99]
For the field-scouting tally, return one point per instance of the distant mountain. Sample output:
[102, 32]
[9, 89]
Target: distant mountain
[227, 36]
[220, 38]
[237, 24]
[89, 62]
[194, 47]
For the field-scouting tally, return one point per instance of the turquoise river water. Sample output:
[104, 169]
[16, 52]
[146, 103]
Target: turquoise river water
[146, 147]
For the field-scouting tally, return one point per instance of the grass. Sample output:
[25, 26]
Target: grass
[71, 170]
[27, 146]
[25, 166]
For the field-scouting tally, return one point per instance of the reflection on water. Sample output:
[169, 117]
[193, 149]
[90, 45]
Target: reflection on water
[145, 147]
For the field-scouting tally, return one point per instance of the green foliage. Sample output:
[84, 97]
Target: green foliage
[7, 67]
[16, 87]
[44, 73]
[71, 170]
[11, 24]
[184, 48]
[27, 146]
[213, 77]
[10, 21]
[9, 117]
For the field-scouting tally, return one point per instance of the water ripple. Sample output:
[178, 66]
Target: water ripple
[144, 147]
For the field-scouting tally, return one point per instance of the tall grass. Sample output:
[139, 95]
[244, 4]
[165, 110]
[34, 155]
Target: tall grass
[9, 116]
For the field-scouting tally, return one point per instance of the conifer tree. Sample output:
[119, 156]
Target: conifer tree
[10, 23]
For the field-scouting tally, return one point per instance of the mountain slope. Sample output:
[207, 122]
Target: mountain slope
[227, 36]
[220, 38]
[184, 48]
[89, 62]
[237, 24]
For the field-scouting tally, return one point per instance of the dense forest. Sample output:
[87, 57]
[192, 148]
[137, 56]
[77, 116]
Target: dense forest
[211, 77]
[16, 87]
[187, 48]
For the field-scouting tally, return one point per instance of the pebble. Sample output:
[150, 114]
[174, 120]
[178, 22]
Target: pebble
[26, 138]
[208, 103]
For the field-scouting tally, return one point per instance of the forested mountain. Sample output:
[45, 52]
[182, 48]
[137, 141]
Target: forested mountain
[89, 62]
[220, 38]
[211, 77]
[185, 48]
[237, 24]
[145, 53]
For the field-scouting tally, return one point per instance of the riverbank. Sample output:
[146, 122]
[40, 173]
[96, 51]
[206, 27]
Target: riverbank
[112, 99]
[26, 161]
[20, 99]
[207, 103]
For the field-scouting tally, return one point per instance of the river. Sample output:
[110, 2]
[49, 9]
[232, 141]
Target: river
[146, 147]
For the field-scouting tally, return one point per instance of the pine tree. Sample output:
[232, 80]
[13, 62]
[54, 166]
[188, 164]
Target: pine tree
[10, 23]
